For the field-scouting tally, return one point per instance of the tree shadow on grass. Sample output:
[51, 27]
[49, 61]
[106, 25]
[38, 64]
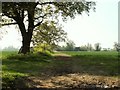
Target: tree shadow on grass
[95, 65]
[36, 65]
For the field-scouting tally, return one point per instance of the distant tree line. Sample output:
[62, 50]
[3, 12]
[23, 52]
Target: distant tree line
[10, 48]
[70, 46]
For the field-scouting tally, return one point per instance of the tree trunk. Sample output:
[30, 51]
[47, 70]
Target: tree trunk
[25, 48]
[25, 45]
[26, 39]
[26, 34]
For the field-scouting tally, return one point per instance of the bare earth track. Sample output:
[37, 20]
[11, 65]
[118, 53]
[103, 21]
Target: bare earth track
[72, 81]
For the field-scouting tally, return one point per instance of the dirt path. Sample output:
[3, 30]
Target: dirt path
[62, 54]
[72, 81]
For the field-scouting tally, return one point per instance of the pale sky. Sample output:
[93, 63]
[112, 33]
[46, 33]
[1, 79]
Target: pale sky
[99, 27]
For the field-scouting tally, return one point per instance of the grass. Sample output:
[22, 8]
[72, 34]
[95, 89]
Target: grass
[105, 62]
[15, 67]
[103, 53]
[18, 66]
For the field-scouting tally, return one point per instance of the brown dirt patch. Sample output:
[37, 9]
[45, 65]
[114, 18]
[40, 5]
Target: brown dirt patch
[62, 56]
[73, 81]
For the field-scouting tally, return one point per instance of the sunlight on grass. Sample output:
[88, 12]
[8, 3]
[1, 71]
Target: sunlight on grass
[16, 66]
[113, 53]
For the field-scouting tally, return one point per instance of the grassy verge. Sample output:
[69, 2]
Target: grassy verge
[16, 66]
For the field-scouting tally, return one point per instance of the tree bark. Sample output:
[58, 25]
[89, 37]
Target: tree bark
[26, 39]
[27, 34]
[26, 45]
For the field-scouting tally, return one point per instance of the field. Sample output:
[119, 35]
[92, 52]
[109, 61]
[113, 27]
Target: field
[61, 70]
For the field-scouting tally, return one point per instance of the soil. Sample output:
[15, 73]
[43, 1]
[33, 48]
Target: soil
[72, 81]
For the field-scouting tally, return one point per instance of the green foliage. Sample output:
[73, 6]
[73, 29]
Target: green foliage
[97, 47]
[116, 46]
[70, 9]
[48, 34]
[44, 48]
[70, 45]
[41, 12]
[83, 48]
[87, 47]
[60, 48]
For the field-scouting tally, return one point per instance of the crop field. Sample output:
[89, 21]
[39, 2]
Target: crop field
[60, 70]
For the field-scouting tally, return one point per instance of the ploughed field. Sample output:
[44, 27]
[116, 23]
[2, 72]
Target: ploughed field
[66, 69]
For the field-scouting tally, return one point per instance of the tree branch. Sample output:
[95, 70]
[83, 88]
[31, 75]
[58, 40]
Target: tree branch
[6, 14]
[42, 16]
[47, 3]
[38, 24]
[42, 19]
[36, 4]
[22, 14]
[39, 17]
[9, 24]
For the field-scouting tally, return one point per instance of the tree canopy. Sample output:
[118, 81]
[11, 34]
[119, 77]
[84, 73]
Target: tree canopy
[49, 33]
[30, 15]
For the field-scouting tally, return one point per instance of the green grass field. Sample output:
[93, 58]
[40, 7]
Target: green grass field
[17, 67]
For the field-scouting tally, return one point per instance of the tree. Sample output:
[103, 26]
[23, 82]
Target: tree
[29, 15]
[90, 48]
[49, 33]
[70, 45]
[44, 48]
[97, 47]
[83, 48]
[117, 46]
[105, 49]
[60, 48]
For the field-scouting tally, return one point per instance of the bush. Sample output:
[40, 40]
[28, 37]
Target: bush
[43, 48]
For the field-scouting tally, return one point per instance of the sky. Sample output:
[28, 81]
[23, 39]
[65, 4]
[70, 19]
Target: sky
[100, 26]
